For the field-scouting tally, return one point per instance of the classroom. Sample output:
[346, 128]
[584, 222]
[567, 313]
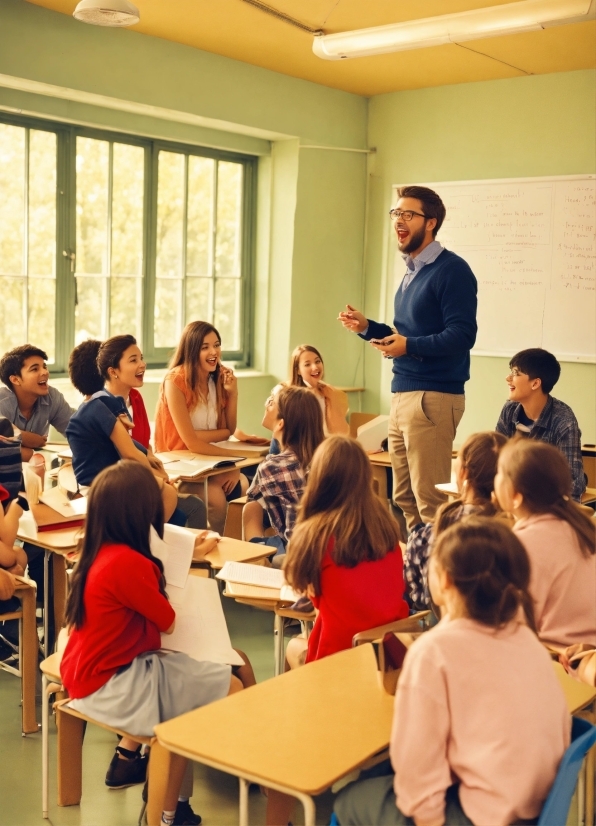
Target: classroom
[217, 120]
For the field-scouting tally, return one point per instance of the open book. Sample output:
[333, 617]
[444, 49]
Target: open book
[192, 468]
[249, 448]
[258, 582]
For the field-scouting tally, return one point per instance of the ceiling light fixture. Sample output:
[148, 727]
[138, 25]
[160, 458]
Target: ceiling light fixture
[107, 12]
[509, 18]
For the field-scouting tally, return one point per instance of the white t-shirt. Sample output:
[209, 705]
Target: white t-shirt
[204, 416]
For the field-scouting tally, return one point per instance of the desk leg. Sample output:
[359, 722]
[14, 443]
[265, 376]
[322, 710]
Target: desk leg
[206, 496]
[59, 583]
[244, 784]
[278, 642]
[29, 647]
[46, 602]
[309, 808]
[45, 721]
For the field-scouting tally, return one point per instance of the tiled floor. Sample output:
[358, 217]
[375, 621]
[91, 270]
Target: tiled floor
[215, 794]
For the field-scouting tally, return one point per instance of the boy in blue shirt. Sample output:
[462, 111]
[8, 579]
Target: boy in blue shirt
[533, 412]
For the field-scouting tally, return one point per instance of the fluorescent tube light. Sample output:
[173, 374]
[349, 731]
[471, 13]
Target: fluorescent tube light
[510, 18]
[107, 12]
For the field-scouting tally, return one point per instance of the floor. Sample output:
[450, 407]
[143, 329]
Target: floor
[215, 794]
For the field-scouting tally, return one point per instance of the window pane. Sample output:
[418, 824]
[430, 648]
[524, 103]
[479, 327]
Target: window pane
[92, 205]
[125, 306]
[170, 215]
[12, 202]
[227, 312]
[198, 299]
[42, 313]
[127, 209]
[42, 206]
[168, 307]
[229, 216]
[13, 330]
[90, 310]
[200, 214]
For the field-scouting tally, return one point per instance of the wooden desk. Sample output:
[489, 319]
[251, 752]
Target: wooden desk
[297, 733]
[236, 550]
[578, 695]
[58, 543]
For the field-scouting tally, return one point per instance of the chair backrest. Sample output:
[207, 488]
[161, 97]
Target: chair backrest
[556, 808]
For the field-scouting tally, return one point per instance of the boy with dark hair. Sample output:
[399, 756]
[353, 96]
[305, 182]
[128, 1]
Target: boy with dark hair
[533, 412]
[28, 401]
[82, 368]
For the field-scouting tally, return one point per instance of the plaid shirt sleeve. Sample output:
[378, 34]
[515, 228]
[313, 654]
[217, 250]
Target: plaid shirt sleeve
[416, 566]
[278, 485]
[569, 443]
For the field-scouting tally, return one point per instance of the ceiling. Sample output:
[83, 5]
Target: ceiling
[238, 30]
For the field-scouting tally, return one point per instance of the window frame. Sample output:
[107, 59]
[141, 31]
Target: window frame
[66, 137]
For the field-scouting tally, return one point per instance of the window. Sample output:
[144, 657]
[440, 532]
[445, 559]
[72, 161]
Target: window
[102, 234]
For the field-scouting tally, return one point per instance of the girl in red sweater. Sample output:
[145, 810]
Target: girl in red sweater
[117, 609]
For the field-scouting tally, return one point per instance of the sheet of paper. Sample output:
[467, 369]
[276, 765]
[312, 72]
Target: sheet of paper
[175, 551]
[252, 575]
[57, 500]
[201, 630]
[251, 591]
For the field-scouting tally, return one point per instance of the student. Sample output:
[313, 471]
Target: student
[534, 483]
[121, 366]
[480, 722]
[280, 478]
[12, 558]
[28, 401]
[344, 551]
[475, 470]
[112, 667]
[533, 412]
[82, 368]
[307, 370]
[197, 405]
[11, 460]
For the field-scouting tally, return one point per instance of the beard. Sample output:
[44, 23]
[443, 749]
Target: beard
[415, 241]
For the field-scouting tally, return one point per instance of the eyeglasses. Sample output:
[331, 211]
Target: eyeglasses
[406, 214]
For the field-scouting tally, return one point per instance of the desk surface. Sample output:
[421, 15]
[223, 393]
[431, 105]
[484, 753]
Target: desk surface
[304, 729]
[236, 550]
[59, 541]
[578, 695]
[380, 459]
[188, 455]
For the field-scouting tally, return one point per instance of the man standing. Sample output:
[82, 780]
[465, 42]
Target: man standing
[434, 331]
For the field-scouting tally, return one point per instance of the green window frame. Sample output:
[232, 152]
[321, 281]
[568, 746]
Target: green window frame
[209, 263]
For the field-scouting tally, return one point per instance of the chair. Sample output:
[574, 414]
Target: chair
[555, 810]
[233, 526]
[71, 727]
[28, 647]
[358, 419]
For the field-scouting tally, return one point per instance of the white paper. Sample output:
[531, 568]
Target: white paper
[175, 551]
[246, 574]
[58, 501]
[201, 630]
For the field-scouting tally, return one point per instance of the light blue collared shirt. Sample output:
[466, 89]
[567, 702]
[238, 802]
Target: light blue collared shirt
[414, 265]
[52, 409]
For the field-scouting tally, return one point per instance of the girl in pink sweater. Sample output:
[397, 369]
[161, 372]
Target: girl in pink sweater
[534, 483]
[480, 722]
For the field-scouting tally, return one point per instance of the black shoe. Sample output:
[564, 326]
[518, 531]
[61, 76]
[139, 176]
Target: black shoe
[124, 773]
[185, 816]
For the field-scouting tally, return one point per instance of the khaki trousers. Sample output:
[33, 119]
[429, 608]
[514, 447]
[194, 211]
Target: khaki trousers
[422, 426]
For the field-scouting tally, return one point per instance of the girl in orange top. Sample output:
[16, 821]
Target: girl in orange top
[197, 406]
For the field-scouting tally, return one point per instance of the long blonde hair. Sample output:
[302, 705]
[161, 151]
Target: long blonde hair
[540, 472]
[339, 502]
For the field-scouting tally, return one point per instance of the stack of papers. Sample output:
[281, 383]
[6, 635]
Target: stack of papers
[257, 582]
[191, 468]
[244, 447]
[200, 630]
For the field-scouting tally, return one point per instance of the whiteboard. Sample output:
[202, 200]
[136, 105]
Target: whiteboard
[531, 243]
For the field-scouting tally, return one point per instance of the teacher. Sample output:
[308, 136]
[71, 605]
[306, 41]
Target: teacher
[434, 331]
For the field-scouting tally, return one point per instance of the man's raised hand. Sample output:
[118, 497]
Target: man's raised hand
[353, 319]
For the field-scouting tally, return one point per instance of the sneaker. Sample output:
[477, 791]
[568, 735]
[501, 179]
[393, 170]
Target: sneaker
[124, 773]
[185, 816]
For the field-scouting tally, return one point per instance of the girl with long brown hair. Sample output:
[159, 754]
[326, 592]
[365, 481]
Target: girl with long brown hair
[475, 470]
[534, 484]
[344, 552]
[197, 405]
[117, 609]
[280, 478]
[480, 722]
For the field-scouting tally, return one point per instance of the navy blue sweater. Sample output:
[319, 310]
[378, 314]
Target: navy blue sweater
[437, 315]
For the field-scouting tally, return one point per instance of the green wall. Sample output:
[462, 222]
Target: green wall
[530, 126]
